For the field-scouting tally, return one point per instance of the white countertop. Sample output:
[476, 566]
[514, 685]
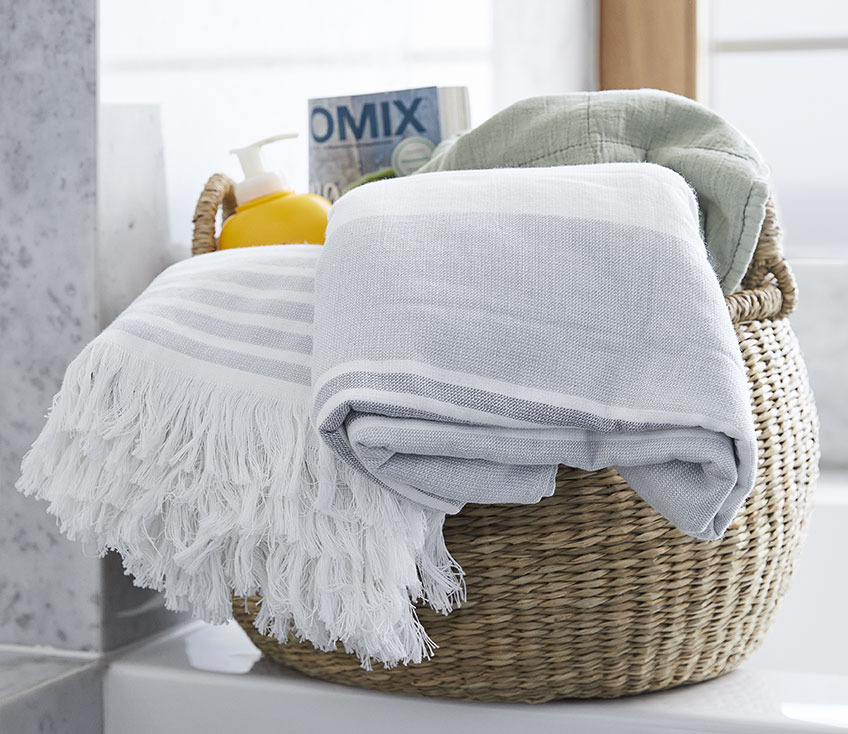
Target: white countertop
[210, 679]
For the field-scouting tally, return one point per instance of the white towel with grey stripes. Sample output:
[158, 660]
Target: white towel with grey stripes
[474, 329]
[181, 437]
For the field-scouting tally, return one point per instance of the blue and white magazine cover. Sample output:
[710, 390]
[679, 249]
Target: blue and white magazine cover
[352, 136]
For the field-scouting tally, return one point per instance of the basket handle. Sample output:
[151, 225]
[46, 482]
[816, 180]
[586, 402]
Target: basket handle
[769, 290]
[219, 191]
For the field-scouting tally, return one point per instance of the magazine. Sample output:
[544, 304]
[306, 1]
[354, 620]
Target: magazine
[352, 136]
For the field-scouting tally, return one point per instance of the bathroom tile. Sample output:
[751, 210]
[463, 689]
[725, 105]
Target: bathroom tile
[49, 694]
[21, 671]
[51, 592]
[821, 325]
[202, 680]
[132, 210]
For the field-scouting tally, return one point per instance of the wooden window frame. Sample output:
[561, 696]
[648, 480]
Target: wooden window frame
[649, 44]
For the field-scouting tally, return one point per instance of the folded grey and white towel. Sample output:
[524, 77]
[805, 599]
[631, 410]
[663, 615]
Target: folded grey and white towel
[474, 329]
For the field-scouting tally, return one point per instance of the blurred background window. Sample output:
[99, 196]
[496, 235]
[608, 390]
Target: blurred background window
[226, 75]
[778, 71]
[775, 68]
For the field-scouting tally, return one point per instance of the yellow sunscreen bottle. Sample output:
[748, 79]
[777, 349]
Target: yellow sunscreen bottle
[268, 211]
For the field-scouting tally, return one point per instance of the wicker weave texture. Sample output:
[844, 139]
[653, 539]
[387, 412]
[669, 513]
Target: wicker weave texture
[219, 192]
[591, 593]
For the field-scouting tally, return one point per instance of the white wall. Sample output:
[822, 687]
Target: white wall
[227, 75]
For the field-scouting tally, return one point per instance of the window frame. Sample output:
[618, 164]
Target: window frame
[665, 44]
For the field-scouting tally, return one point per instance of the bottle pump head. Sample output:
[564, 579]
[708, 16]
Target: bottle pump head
[257, 180]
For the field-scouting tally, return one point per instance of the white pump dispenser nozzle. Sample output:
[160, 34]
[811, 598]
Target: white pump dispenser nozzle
[257, 180]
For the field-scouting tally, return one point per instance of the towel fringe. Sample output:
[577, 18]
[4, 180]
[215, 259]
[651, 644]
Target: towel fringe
[209, 491]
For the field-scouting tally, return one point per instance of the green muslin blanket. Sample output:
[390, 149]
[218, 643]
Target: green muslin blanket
[727, 173]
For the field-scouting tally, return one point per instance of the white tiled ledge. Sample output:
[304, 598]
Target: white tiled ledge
[156, 689]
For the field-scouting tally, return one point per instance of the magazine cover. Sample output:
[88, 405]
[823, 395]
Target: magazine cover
[355, 135]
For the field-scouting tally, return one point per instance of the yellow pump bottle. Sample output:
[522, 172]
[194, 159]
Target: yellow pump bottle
[268, 211]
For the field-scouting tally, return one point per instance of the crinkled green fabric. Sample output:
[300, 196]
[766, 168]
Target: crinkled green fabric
[727, 173]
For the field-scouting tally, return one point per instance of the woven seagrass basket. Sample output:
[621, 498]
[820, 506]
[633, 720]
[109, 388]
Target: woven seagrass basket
[590, 592]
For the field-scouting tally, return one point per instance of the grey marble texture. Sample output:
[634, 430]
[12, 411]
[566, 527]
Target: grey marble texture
[20, 671]
[821, 325]
[40, 693]
[51, 593]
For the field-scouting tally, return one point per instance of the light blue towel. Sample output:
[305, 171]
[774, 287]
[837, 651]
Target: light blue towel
[726, 171]
[474, 329]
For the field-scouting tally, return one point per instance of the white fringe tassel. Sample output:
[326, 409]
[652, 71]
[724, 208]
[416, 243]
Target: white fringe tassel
[208, 491]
